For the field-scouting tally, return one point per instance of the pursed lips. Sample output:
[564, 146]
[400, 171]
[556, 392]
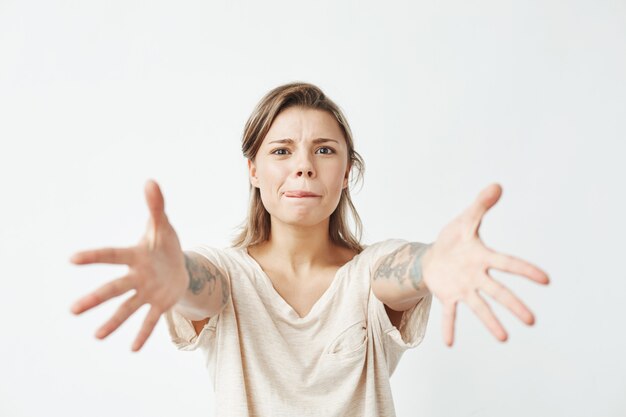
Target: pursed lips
[299, 194]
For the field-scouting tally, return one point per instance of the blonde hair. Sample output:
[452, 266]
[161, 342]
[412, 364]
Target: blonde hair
[256, 228]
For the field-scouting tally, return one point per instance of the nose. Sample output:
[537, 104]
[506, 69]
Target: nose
[304, 167]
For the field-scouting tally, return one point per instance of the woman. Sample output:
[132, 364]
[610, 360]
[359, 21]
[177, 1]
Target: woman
[297, 317]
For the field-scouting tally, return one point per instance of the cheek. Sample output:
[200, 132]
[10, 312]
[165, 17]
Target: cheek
[271, 177]
[334, 176]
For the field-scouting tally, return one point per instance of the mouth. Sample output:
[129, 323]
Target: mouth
[299, 194]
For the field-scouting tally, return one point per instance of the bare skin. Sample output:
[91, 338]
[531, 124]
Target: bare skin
[455, 268]
[301, 292]
[159, 273]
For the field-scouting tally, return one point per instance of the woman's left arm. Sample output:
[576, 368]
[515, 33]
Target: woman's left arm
[454, 268]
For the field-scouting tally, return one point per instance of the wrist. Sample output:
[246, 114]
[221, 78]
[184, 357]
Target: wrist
[425, 264]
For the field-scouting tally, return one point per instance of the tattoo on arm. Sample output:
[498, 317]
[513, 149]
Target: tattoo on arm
[202, 274]
[406, 258]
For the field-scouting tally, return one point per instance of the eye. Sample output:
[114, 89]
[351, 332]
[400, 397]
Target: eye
[330, 150]
[274, 152]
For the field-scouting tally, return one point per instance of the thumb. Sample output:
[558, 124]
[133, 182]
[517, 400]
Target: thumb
[486, 199]
[156, 203]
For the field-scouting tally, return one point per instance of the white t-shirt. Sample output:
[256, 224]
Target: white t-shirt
[336, 361]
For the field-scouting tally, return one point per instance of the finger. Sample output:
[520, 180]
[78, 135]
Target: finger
[146, 329]
[123, 312]
[106, 255]
[102, 294]
[156, 203]
[505, 297]
[484, 313]
[485, 200]
[517, 266]
[449, 315]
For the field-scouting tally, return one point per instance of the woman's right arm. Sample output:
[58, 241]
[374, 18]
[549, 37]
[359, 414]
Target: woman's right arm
[160, 274]
[208, 289]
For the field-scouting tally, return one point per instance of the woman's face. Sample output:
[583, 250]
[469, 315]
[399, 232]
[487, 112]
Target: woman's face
[304, 151]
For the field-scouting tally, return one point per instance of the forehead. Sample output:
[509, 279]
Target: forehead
[299, 123]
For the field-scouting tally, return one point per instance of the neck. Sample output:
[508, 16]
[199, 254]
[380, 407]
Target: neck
[299, 249]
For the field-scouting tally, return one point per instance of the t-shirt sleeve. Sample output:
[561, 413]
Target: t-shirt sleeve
[181, 330]
[412, 327]
[183, 334]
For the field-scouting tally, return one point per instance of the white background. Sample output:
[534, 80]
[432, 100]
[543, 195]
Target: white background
[443, 98]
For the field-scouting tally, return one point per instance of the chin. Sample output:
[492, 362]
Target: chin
[303, 220]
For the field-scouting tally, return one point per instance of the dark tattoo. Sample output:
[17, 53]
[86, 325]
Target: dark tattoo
[202, 273]
[405, 258]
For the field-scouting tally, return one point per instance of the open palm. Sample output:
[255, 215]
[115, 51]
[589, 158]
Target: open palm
[157, 272]
[455, 269]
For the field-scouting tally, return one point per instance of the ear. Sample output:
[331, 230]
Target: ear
[345, 178]
[252, 171]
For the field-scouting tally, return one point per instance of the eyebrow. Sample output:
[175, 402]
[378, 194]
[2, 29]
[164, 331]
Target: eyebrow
[290, 141]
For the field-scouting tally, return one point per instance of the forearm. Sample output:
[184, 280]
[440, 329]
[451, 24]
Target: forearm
[398, 279]
[208, 289]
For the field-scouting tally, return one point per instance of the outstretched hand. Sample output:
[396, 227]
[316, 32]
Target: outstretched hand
[455, 269]
[157, 272]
